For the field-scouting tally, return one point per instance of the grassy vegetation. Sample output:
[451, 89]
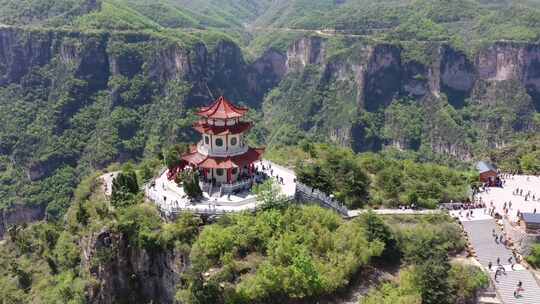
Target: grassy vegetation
[534, 257]
[292, 254]
[392, 179]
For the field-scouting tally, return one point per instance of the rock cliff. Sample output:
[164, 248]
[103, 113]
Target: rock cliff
[19, 214]
[127, 274]
[381, 73]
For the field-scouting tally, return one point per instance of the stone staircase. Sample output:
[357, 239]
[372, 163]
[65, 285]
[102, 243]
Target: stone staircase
[480, 236]
[486, 250]
[506, 284]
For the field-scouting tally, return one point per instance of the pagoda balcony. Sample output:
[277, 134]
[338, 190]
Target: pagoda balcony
[204, 150]
[238, 186]
[225, 188]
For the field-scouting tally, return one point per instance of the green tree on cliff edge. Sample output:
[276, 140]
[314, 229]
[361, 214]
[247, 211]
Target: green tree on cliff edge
[124, 188]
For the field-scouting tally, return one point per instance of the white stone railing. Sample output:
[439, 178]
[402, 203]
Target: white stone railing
[309, 193]
[203, 149]
[228, 188]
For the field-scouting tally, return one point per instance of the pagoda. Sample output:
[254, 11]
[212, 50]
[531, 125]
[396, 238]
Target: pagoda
[222, 156]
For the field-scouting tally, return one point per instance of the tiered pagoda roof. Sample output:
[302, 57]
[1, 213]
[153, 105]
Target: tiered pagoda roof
[204, 161]
[222, 109]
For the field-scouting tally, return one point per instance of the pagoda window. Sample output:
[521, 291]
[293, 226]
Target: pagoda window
[234, 141]
[219, 172]
[207, 140]
[219, 142]
[234, 170]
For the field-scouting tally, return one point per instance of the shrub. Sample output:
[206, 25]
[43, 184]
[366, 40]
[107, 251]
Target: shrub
[534, 257]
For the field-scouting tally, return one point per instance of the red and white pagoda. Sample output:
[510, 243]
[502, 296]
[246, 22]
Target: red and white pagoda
[222, 157]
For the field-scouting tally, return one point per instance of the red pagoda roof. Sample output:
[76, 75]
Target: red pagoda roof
[238, 128]
[204, 161]
[222, 109]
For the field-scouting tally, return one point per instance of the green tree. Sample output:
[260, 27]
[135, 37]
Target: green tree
[269, 195]
[314, 175]
[534, 257]
[124, 188]
[465, 281]
[67, 253]
[530, 163]
[190, 183]
[431, 275]
[82, 214]
[172, 157]
[354, 189]
[376, 229]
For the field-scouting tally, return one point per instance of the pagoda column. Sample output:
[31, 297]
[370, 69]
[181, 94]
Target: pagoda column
[228, 175]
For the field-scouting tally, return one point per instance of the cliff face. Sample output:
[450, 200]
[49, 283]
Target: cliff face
[378, 74]
[126, 274]
[506, 61]
[305, 51]
[18, 215]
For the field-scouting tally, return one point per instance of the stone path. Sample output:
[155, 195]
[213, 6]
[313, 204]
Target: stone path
[107, 182]
[288, 188]
[501, 195]
[480, 232]
[480, 236]
[171, 199]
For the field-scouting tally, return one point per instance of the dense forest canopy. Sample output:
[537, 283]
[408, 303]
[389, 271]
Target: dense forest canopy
[378, 103]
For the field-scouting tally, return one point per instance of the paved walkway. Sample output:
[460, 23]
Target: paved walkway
[505, 194]
[171, 199]
[480, 228]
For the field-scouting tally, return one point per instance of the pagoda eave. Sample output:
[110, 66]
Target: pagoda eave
[209, 162]
[239, 128]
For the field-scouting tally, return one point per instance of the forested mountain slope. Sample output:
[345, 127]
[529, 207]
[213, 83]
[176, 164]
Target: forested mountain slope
[91, 84]
[84, 83]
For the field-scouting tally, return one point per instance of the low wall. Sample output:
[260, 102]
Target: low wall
[307, 194]
[522, 241]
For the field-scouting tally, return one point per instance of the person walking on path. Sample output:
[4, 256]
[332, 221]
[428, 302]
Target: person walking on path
[489, 265]
[519, 289]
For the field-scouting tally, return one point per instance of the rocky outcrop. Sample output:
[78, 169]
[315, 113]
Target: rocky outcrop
[266, 72]
[21, 51]
[19, 214]
[305, 51]
[128, 274]
[382, 80]
[456, 75]
[512, 61]
[379, 74]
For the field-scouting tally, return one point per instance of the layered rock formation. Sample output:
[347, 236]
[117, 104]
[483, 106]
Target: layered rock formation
[380, 73]
[127, 274]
